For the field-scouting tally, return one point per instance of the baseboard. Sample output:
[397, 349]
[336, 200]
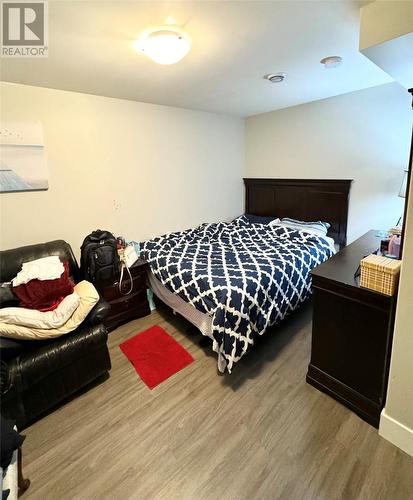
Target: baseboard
[396, 432]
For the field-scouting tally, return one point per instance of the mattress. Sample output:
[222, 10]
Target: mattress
[245, 277]
[200, 320]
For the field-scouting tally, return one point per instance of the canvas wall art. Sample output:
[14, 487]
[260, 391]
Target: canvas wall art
[22, 157]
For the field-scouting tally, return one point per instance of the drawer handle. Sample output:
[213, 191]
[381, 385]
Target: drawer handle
[126, 286]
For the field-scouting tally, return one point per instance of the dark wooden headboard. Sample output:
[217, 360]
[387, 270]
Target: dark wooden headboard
[302, 199]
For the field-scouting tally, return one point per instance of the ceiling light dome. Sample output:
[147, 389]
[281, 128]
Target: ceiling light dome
[164, 45]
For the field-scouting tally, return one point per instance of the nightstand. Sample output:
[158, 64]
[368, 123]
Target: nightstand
[352, 333]
[124, 308]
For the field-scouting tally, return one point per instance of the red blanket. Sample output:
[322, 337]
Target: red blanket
[45, 295]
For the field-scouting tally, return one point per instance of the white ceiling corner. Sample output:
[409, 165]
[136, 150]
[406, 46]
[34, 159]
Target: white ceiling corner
[233, 45]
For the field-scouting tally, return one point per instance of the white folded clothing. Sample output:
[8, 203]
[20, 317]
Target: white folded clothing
[36, 319]
[46, 268]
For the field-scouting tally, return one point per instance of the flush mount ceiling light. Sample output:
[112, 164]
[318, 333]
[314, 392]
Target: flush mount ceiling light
[275, 77]
[332, 61]
[164, 45]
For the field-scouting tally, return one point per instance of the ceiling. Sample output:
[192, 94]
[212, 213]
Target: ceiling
[233, 45]
[395, 56]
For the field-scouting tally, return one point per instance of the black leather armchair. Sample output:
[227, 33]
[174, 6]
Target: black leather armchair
[37, 375]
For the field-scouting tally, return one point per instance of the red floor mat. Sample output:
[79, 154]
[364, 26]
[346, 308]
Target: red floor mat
[155, 355]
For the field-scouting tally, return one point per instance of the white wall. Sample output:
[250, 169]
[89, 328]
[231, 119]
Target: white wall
[396, 423]
[386, 38]
[363, 136]
[381, 21]
[136, 169]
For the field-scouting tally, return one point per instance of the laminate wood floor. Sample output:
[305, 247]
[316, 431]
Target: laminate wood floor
[260, 433]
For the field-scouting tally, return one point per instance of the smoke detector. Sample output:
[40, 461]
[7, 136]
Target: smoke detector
[332, 61]
[275, 77]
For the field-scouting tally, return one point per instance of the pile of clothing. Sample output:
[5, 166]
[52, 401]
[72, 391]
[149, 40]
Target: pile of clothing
[49, 303]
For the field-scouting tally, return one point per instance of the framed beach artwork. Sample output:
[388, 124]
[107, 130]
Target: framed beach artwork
[22, 157]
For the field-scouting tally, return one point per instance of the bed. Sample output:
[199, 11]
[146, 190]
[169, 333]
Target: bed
[233, 280]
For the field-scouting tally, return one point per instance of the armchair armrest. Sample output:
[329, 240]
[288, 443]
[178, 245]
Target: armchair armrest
[98, 313]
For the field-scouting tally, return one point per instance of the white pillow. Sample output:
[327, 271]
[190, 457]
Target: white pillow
[298, 227]
[37, 319]
[88, 298]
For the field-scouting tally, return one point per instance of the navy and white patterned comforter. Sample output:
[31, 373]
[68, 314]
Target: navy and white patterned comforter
[246, 276]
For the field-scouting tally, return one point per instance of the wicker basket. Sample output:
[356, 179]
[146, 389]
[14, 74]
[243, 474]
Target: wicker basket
[380, 274]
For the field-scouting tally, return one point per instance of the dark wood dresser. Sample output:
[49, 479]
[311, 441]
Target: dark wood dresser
[352, 333]
[124, 308]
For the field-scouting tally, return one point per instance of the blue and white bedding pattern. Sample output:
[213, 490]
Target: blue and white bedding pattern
[246, 276]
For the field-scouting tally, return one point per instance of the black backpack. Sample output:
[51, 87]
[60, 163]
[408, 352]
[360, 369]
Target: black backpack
[99, 260]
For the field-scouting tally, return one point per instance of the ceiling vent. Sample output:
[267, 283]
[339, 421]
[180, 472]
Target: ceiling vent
[332, 61]
[275, 77]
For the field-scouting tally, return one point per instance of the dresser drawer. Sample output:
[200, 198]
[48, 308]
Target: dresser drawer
[126, 308]
[112, 292]
[126, 302]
